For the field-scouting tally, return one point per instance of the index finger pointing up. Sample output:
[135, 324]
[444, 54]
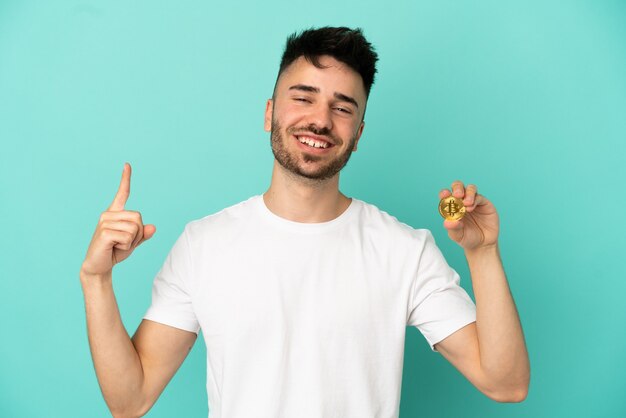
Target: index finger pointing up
[123, 191]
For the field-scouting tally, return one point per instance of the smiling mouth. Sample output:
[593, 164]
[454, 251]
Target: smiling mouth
[313, 142]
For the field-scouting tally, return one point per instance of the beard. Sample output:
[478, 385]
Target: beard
[290, 162]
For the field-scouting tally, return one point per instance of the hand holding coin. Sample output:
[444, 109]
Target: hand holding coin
[471, 219]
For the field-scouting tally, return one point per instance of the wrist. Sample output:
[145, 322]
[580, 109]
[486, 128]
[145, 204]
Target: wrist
[483, 251]
[95, 279]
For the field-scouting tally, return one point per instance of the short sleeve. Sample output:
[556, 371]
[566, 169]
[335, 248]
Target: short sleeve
[439, 306]
[171, 298]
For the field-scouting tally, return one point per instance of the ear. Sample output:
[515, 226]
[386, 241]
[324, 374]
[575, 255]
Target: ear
[268, 115]
[358, 135]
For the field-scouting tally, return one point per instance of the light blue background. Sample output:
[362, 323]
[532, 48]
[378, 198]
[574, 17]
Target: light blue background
[526, 99]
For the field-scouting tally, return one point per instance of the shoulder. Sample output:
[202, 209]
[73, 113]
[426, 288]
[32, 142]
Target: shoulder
[379, 222]
[228, 219]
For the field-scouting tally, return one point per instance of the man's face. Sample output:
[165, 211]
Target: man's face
[316, 117]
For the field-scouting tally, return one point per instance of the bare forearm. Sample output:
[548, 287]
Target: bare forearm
[116, 361]
[503, 353]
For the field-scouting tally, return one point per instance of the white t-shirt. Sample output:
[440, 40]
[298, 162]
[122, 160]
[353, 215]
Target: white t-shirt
[307, 320]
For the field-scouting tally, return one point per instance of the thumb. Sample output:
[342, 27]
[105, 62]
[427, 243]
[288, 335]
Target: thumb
[148, 232]
[455, 229]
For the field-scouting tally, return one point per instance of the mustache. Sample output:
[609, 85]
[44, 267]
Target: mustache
[314, 130]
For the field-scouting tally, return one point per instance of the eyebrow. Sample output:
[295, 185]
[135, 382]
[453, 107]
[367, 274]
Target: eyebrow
[311, 89]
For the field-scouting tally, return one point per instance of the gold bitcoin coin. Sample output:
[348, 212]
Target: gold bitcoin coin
[451, 208]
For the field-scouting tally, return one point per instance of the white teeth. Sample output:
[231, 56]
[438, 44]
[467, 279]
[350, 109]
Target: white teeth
[312, 143]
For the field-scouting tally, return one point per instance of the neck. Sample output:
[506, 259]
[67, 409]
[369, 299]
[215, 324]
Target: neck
[304, 200]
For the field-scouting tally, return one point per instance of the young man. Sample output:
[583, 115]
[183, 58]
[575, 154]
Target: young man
[303, 294]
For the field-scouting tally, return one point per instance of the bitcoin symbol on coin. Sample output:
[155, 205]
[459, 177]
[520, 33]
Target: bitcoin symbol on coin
[451, 208]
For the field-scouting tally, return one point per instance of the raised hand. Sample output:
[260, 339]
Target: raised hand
[480, 225]
[117, 234]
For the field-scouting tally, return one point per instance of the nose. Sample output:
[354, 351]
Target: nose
[320, 116]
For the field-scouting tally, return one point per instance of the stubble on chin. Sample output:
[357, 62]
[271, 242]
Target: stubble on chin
[290, 162]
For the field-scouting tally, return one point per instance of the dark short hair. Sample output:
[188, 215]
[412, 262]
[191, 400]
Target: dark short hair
[344, 44]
